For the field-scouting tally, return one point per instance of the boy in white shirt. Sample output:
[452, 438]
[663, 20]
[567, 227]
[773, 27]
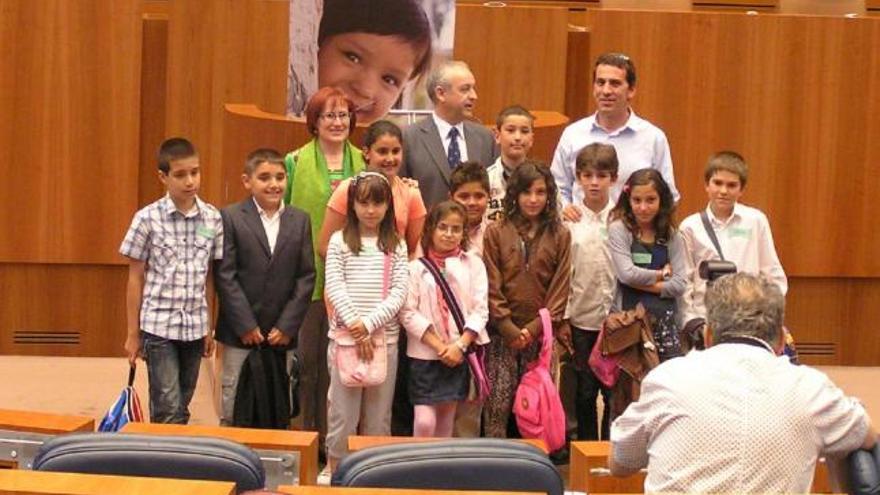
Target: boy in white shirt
[593, 287]
[743, 233]
[514, 134]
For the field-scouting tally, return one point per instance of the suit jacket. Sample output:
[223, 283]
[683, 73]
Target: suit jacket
[425, 158]
[259, 289]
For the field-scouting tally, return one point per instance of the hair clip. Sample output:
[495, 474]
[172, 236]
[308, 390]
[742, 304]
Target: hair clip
[626, 188]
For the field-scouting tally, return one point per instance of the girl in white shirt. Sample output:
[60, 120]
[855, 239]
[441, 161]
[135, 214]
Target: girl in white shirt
[366, 285]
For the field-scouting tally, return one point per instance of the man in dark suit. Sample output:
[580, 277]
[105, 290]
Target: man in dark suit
[266, 277]
[434, 146]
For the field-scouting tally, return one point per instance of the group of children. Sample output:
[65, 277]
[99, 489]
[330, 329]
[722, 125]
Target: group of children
[472, 272]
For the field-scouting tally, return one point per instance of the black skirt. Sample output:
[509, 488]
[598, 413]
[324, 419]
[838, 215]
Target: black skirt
[432, 382]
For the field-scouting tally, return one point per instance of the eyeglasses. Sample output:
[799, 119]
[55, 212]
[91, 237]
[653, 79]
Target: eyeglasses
[451, 229]
[331, 116]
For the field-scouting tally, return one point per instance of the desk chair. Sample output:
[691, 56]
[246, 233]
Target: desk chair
[153, 456]
[459, 464]
[864, 471]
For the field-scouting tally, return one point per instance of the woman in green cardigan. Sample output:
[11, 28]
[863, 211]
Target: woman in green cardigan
[313, 172]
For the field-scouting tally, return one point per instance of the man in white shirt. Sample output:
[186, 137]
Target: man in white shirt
[737, 417]
[639, 143]
[743, 233]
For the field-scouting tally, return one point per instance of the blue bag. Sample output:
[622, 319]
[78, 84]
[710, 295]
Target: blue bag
[127, 408]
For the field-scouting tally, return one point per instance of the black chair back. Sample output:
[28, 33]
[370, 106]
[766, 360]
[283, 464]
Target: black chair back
[459, 464]
[157, 456]
[864, 471]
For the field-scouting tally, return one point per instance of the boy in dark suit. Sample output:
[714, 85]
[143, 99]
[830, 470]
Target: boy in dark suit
[267, 274]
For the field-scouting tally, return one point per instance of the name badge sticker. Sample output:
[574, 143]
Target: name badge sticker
[735, 232]
[642, 258]
[206, 232]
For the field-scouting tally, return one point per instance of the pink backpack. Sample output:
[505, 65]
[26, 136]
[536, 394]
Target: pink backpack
[537, 406]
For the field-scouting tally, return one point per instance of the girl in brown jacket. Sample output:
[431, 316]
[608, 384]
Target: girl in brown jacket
[527, 257]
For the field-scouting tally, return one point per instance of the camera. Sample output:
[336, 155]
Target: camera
[711, 270]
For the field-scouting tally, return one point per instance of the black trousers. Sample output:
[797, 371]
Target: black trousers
[579, 389]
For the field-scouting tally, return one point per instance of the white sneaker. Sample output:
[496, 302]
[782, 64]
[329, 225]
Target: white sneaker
[324, 477]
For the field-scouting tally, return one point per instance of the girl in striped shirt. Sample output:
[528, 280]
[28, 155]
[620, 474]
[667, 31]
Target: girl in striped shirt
[366, 285]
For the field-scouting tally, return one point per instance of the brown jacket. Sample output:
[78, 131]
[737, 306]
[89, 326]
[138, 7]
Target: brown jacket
[525, 276]
[627, 335]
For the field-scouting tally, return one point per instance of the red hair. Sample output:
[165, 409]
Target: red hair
[316, 104]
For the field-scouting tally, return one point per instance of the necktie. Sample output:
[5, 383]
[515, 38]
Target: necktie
[453, 154]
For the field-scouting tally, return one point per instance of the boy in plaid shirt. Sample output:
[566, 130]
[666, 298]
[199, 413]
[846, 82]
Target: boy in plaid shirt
[170, 246]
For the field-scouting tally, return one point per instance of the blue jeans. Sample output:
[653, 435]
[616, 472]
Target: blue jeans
[173, 370]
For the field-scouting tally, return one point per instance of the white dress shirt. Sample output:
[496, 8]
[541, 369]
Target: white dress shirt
[639, 144]
[745, 239]
[593, 282]
[735, 419]
[443, 127]
[271, 224]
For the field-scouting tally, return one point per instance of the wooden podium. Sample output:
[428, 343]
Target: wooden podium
[246, 128]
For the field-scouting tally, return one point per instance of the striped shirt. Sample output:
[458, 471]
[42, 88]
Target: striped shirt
[177, 249]
[354, 285]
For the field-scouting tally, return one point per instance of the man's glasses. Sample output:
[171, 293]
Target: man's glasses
[331, 116]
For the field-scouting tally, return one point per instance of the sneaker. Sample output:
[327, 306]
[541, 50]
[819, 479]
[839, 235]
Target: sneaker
[324, 477]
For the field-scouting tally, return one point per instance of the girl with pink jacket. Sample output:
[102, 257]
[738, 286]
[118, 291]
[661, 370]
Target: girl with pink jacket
[439, 377]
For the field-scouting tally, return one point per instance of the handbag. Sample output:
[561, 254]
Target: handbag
[604, 366]
[354, 371]
[126, 409]
[479, 388]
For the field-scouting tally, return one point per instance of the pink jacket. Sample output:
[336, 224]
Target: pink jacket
[466, 275]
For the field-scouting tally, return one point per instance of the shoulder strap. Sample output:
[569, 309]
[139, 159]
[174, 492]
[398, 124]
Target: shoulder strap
[711, 231]
[547, 344]
[386, 275]
[448, 295]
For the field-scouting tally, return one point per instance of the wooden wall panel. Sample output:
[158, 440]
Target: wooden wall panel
[69, 97]
[83, 306]
[511, 66]
[834, 320]
[776, 89]
[223, 51]
[154, 75]
[578, 74]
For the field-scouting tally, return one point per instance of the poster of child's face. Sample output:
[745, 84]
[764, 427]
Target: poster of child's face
[376, 51]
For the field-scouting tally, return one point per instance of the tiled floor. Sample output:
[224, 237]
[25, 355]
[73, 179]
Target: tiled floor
[88, 386]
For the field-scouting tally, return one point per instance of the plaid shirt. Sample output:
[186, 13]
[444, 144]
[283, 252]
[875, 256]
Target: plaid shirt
[178, 249]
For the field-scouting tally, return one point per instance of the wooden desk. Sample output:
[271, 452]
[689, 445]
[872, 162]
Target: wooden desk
[47, 423]
[346, 490]
[22, 433]
[24, 482]
[587, 456]
[303, 442]
[358, 442]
